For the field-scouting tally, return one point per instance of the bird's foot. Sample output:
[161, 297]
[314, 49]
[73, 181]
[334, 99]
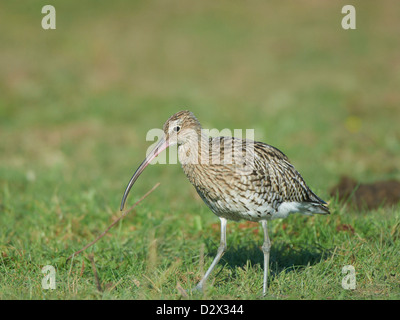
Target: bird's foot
[196, 290]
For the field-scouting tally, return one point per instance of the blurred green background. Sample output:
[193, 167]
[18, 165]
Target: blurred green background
[76, 102]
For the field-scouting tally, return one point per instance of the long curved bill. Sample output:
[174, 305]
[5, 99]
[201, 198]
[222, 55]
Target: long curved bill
[161, 145]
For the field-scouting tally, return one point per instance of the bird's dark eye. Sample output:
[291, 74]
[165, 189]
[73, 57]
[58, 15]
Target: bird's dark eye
[177, 128]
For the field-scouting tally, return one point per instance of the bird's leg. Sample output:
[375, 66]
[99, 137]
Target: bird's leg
[266, 249]
[220, 253]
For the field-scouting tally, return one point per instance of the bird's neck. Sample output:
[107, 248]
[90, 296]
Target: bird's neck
[193, 151]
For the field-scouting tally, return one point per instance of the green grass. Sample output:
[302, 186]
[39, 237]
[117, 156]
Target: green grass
[76, 104]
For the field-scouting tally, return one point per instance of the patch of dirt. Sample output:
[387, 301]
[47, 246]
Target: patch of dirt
[345, 227]
[367, 195]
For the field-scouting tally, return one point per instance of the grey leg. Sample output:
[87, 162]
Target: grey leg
[266, 249]
[220, 253]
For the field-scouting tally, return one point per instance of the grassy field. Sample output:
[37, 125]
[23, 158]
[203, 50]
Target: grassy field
[76, 104]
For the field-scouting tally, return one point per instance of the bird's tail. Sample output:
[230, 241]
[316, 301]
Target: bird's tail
[316, 204]
[317, 207]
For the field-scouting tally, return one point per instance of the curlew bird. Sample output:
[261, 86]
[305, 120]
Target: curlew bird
[236, 178]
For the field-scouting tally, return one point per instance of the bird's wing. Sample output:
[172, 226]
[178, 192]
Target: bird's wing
[284, 179]
[268, 169]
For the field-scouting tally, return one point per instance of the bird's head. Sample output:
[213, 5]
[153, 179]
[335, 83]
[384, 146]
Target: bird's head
[181, 128]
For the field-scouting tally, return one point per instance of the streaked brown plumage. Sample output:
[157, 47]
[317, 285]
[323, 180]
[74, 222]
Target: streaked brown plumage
[236, 178]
